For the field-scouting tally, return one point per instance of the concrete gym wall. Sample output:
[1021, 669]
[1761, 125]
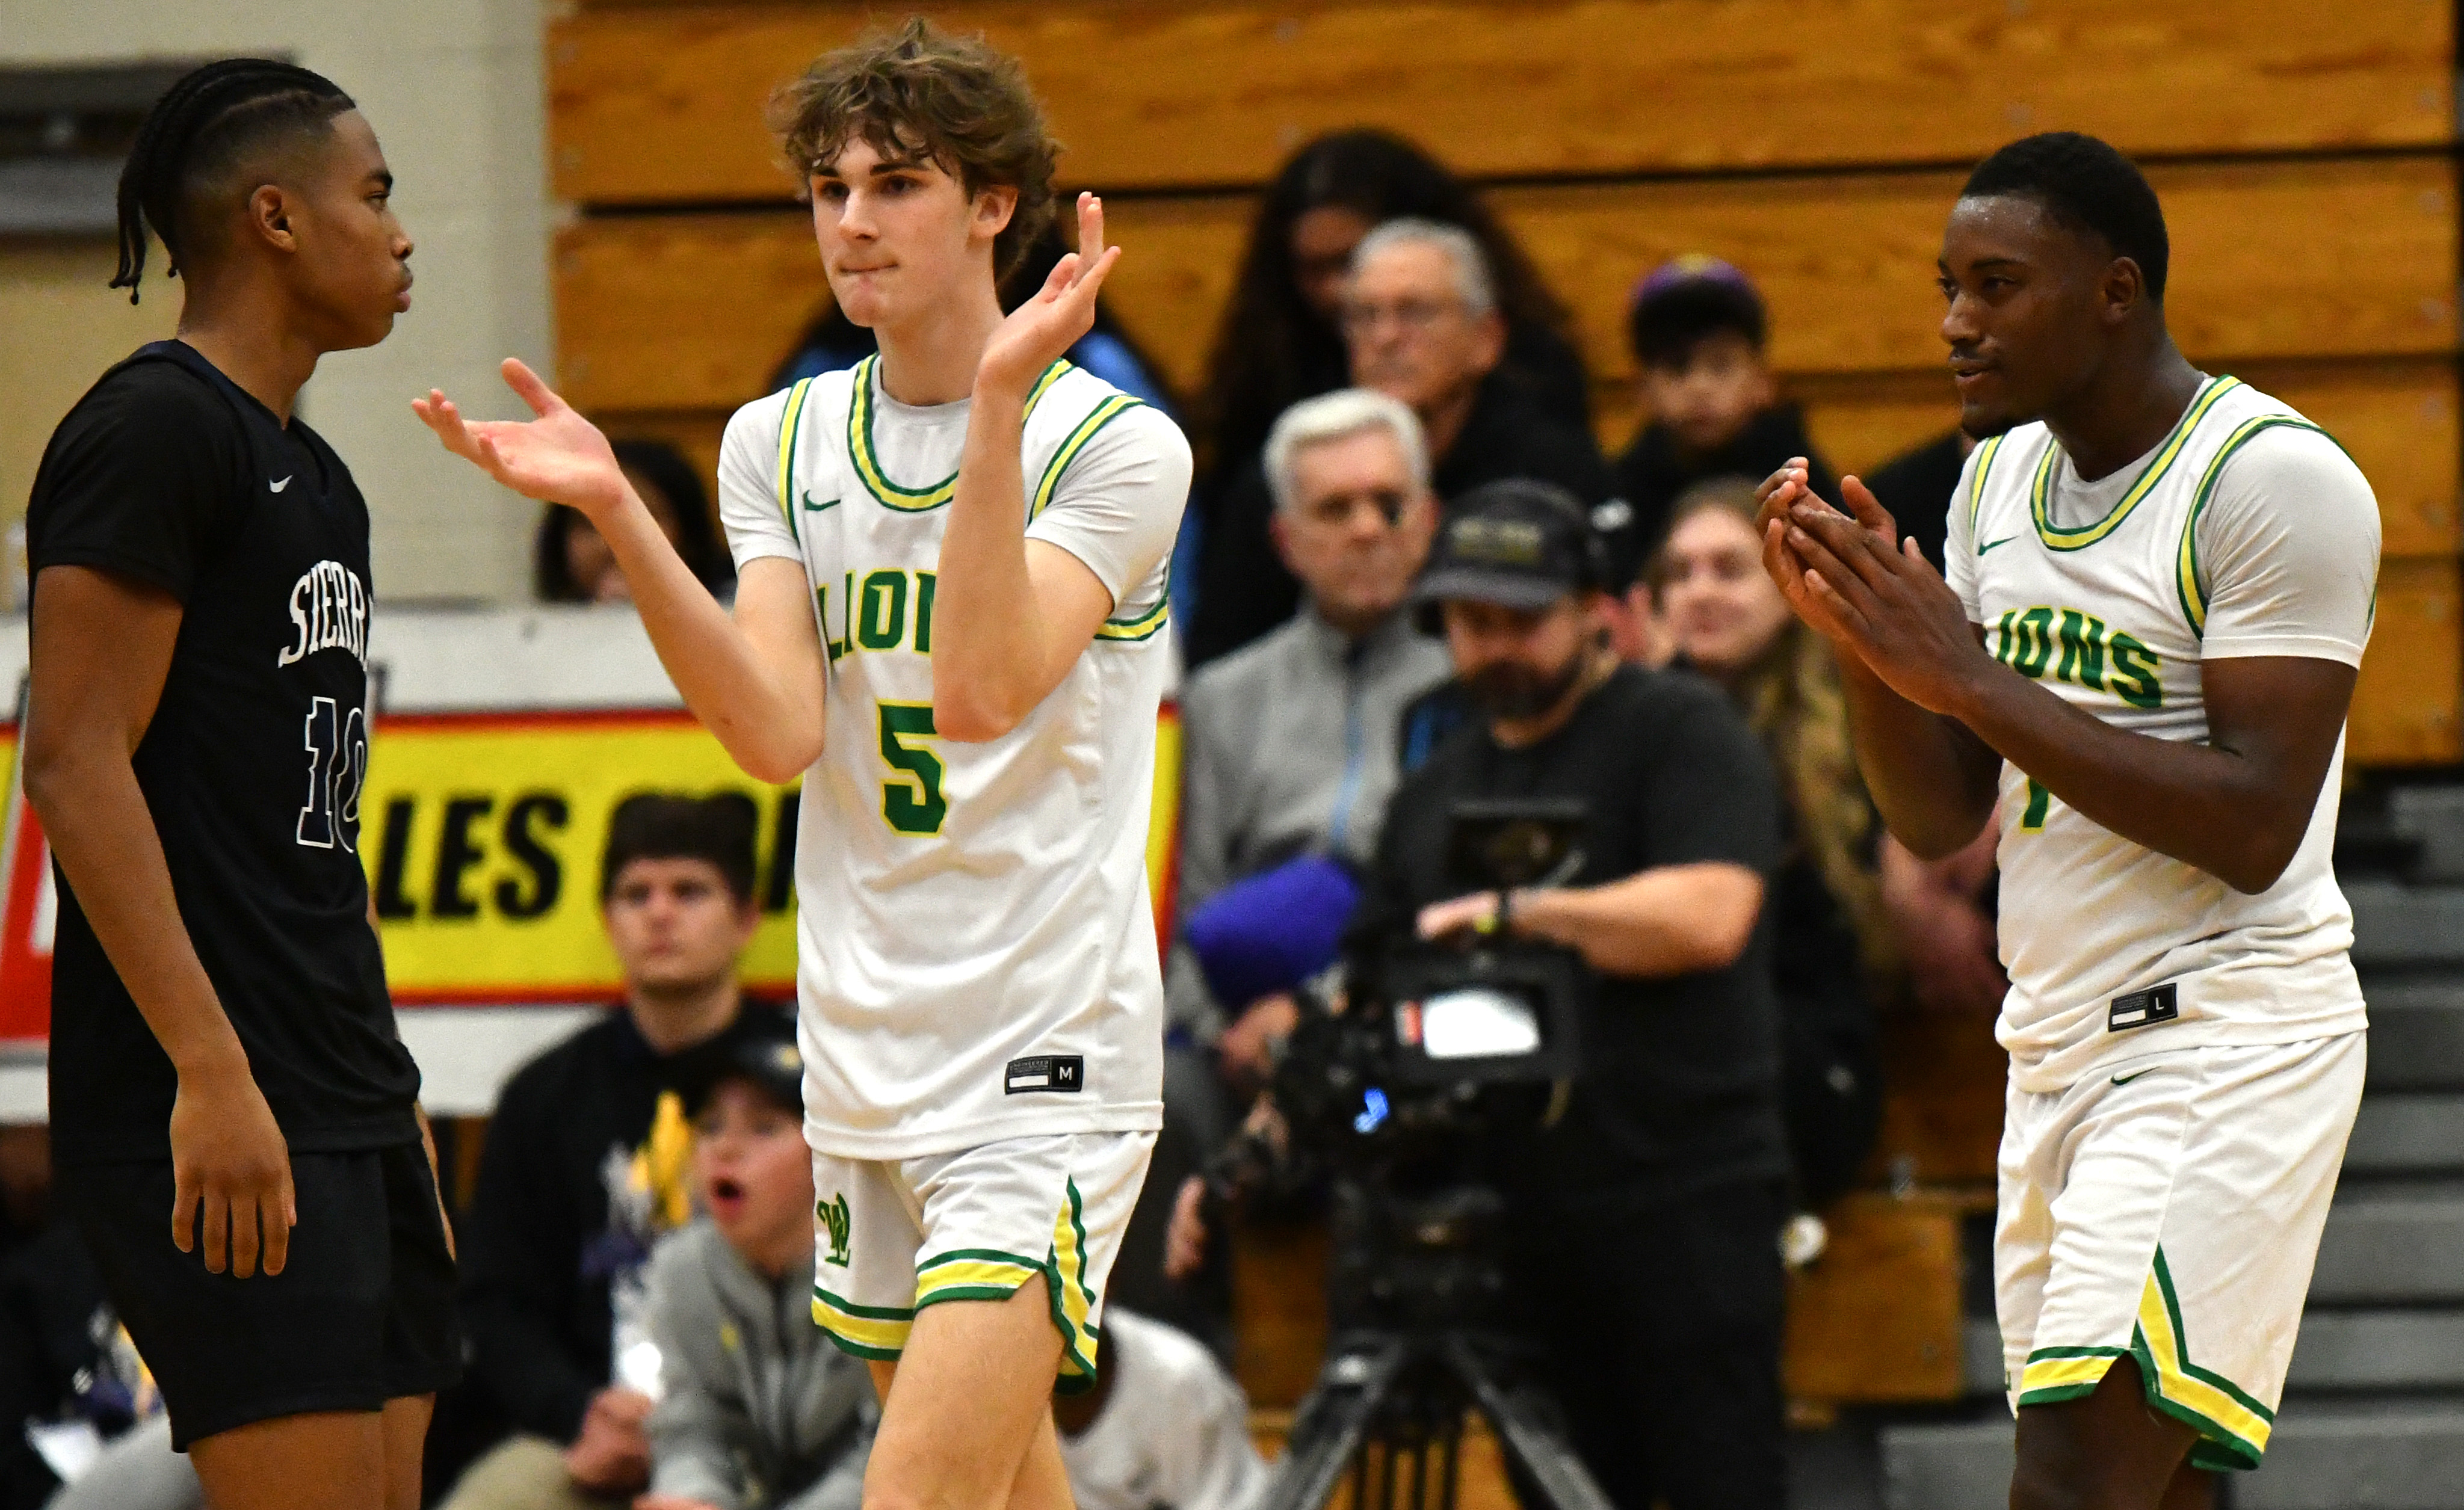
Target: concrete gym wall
[455, 90]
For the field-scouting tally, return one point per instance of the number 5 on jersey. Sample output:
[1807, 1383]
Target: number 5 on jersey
[911, 803]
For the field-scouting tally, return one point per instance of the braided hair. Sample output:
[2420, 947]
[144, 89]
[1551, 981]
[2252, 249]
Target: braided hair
[203, 126]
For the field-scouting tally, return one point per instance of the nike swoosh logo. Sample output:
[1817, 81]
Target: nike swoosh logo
[279, 486]
[810, 506]
[2125, 1080]
[1990, 544]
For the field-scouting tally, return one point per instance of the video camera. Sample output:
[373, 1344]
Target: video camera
[1434, 1039]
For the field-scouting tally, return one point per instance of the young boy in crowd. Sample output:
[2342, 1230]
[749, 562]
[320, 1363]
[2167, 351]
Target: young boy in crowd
[585, 1168]
[1710, 408]
[756, 1407]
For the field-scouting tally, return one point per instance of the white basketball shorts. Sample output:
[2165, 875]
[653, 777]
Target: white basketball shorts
[2168, 1209]
[892, 1237]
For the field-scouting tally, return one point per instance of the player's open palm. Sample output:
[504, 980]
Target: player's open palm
[231, 1176]
[1041, 331]
[558, 457]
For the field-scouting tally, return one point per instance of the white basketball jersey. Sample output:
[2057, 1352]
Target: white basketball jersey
[975, 950]
[2115, 951]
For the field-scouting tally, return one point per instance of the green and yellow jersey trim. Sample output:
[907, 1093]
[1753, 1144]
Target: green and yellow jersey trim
[2041, 489]
[2187, 584]
[790, 421]
[1984, 454]
[867, 460]
[1101, 415]
[2233, 1426]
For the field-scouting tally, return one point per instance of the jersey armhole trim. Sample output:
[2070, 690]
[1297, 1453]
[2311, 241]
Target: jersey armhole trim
[1101, 415]
[2186, 587]
[1976, 484]
[790, 423]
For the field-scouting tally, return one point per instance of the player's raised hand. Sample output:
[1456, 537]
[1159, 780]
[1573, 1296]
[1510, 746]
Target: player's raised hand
[1889, 605]
[558, 457]
[1041, 331]
[228, 1157]
[1783, 490]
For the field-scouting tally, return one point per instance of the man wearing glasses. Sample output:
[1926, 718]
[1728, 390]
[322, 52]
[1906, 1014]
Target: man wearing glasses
[1421, 321]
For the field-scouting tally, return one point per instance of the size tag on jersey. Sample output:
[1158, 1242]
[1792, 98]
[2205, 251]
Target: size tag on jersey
[2141, 1008]
[1045, 1072]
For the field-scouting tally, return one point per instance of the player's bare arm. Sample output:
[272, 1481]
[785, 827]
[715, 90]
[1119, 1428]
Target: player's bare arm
[2236, 806]
[1932, 779]
[1015, 614]
[101, 650]
[753, 678]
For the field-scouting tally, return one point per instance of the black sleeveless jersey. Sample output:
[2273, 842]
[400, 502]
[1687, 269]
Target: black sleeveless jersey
[166, 472]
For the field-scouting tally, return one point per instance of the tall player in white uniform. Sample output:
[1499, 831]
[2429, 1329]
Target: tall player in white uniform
[952, 570]
[2160, 584]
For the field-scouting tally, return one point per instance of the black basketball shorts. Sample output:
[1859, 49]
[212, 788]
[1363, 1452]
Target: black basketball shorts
[361, 1313]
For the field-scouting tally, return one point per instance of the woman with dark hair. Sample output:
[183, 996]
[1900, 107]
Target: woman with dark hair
[571, 564]
[1279, 343]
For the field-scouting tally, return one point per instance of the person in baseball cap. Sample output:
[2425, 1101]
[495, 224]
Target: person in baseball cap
[1709, 404]
[1518, 583]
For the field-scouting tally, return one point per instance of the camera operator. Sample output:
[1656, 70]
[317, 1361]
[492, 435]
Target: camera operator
[1643, 1257]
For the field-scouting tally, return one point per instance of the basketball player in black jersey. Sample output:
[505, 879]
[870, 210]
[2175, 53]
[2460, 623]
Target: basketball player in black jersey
[232, 1114]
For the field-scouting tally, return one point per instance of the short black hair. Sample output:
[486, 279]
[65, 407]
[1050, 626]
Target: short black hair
[205, 125]
[671, 825]
[1667, 323]
[2086, 185]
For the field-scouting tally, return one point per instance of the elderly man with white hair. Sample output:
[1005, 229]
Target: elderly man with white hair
[1422, 324]
[1291, 741]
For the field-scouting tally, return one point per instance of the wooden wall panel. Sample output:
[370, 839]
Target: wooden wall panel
[694, 311]
[2405, 704]
[664, 103]
[1877, 1318]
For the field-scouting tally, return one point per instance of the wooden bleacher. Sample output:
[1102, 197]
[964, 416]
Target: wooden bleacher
[2302, 147]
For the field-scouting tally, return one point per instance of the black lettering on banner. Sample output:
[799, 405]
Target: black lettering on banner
[545, 881]
[393, 858]
[779, 887]
[456, 853]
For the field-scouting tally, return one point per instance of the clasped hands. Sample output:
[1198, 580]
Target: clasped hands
[1873, 595]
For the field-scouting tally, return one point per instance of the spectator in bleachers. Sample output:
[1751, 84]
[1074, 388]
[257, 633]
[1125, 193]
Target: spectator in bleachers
[1917, 485]
[1421, 324]
[1710, 407]
[1164, 1426]
[585, 1164]
[1281, 340]
[1833, 946]
[757, 1409]
[571, 564]
[1290, 740]
[1644, 1223]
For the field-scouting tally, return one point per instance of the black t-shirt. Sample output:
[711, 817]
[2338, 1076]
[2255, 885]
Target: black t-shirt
[168, 473]
[1679, 1088]
[1654, 473]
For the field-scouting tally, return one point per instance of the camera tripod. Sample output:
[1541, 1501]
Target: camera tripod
[1390, 1395]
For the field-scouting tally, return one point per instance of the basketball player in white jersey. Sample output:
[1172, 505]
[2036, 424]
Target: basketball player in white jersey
[952, 570]
[2158, 592]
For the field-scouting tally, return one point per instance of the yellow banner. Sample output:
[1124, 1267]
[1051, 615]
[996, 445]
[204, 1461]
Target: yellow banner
[482, 835]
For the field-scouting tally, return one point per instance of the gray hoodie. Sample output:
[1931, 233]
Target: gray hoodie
[758, 1410]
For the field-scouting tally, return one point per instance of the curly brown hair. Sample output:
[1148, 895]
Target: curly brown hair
[954, 99]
